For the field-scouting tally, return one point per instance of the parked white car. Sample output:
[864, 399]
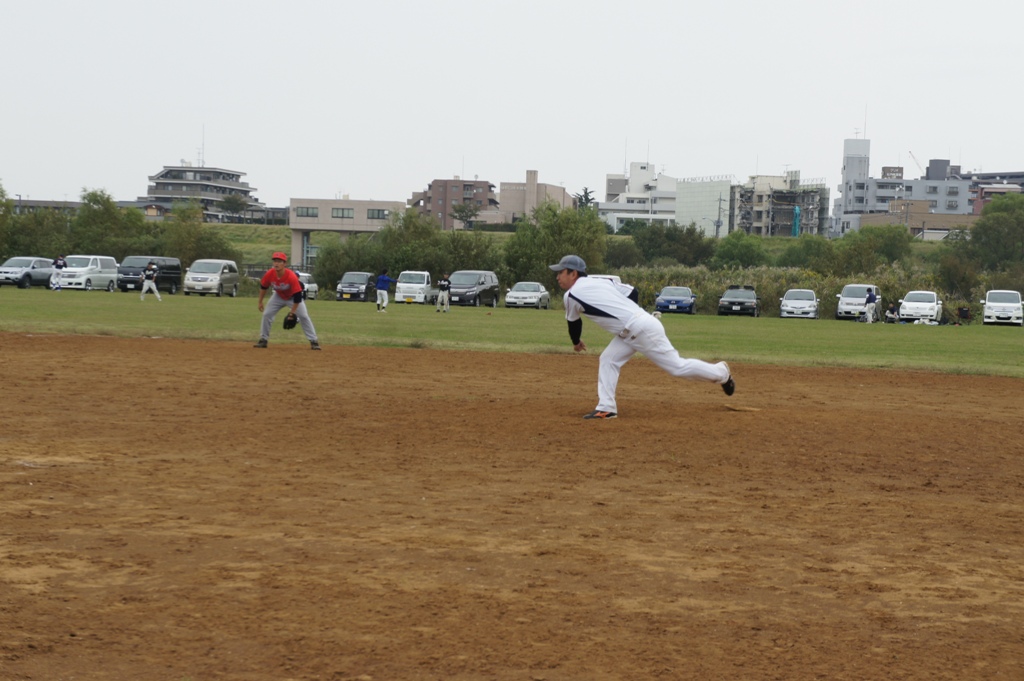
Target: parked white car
[528, 294]
[312, 289]
[89, 272]
[850, 304]
[1003, 307]
[799, 303]
[920, 305]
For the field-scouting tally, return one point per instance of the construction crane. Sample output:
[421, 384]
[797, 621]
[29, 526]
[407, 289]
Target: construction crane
[918, 164]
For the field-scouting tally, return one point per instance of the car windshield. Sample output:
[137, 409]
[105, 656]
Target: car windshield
[856, 291]
[78, 261]
[135, 261]
[1011, 297]
[352, 278]
[464, 278]
[676, 292]
[526, 287]
[740, 294]
[18, 262]
[206, 267]
[411, 278]
[920, 297]
[799, 295]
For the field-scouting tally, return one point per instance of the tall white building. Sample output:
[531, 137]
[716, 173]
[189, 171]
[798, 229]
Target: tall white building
[705, 202]
[643, 194]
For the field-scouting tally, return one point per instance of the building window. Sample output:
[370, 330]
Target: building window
[933, 204]
[952, 205]
[305, 212]
[376, 214]
[952, 191]
[860, 186]
[909, 189]
[343, 212]
[858, 199]
[932, 189]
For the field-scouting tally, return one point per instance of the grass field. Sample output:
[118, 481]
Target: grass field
[970, 349]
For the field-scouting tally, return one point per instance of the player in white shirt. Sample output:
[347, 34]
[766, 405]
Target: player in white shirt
[609, 306]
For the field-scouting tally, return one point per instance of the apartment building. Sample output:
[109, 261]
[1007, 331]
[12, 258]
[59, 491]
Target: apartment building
[441, 196]
[208, 186]
[642, 194]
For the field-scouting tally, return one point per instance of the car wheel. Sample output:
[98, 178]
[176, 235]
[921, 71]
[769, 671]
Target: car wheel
[234, 291]
[25, 282]
[173, 289]
[494, 302]
[220, 290]
[110, 287]
[88, 284]
[476, 302]
[202, 295]
[187, 293]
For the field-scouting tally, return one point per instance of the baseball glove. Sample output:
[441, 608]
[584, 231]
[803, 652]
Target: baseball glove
[290, 321]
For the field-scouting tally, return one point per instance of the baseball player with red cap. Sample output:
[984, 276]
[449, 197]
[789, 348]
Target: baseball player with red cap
[287, 293]
[634, 330]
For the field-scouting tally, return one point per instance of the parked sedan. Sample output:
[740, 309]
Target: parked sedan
[920, 305]
[1003, 307]
[528, 294]
[799, 303]
[676, 299]
[26, 271]
[740, 300]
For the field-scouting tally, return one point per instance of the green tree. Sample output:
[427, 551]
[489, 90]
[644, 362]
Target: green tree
[187, 237]
[997, 238]
[739, 250]
[465, 213]
[550, 233]
[810, 252]
[235, 204]
[622, 253]
[584, 199]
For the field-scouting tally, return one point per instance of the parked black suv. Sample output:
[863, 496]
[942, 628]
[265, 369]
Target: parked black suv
[740, 300]
[357, 286]
[474, 287]
[168, 278]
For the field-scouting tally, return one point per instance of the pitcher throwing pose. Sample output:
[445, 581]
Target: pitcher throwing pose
[608, 306]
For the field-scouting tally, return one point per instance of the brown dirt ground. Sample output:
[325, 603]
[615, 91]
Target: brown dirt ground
[184, 511]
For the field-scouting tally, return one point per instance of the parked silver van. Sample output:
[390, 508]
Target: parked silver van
[88, 272]
[212, 276]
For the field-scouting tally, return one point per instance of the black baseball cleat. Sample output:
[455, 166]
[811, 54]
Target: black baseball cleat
[597, 414]
[261, 343]
[314, 345]
[729, 387]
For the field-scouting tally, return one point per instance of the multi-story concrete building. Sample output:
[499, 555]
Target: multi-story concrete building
[780, 205]
[707, 203]
[942, 187]
[208, 186]
[344, 216]
[519, 199]
[441, 196]
[643, 194]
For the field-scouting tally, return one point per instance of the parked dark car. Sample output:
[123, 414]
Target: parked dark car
[474, 287]
[676, 299]
[741, 300]
[360, 286]
[24, 272]
[168, 277]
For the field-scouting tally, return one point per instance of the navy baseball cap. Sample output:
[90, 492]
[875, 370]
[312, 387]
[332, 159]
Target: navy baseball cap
[570, 262]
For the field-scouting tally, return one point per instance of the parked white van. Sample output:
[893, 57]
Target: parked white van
[415, 287]
[89, 272]
[1003, 307]
[851, 303]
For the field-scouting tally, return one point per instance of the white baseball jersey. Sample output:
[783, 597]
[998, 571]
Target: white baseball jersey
[603, 302]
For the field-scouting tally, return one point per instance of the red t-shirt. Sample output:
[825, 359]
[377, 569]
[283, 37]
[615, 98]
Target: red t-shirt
[286, 286]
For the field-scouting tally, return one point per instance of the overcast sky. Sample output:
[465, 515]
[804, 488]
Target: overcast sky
[374, 99]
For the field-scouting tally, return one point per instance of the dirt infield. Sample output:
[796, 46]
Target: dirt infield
[186, 511]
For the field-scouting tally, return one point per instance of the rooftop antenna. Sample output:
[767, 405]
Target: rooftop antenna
[865, 120]
[202, 149]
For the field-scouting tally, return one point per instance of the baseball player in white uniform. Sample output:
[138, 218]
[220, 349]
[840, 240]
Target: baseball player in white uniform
[609, 306]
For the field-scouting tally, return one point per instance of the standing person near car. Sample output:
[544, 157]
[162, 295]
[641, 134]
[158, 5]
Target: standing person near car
[869, 306]
[383, 282]
[444, 284]
[148, 277]
[58, 266]
[634, 330]
[287, 293]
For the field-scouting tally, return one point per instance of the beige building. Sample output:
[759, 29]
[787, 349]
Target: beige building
[344, 216]
[520, 199]
[919, 217]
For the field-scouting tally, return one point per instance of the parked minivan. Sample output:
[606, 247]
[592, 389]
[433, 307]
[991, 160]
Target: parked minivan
[356, 286]
[168, 276]
[851, 302]
[415, 287]
[1002, 307]
[212, 276]
[89, 272]
[474, 287]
